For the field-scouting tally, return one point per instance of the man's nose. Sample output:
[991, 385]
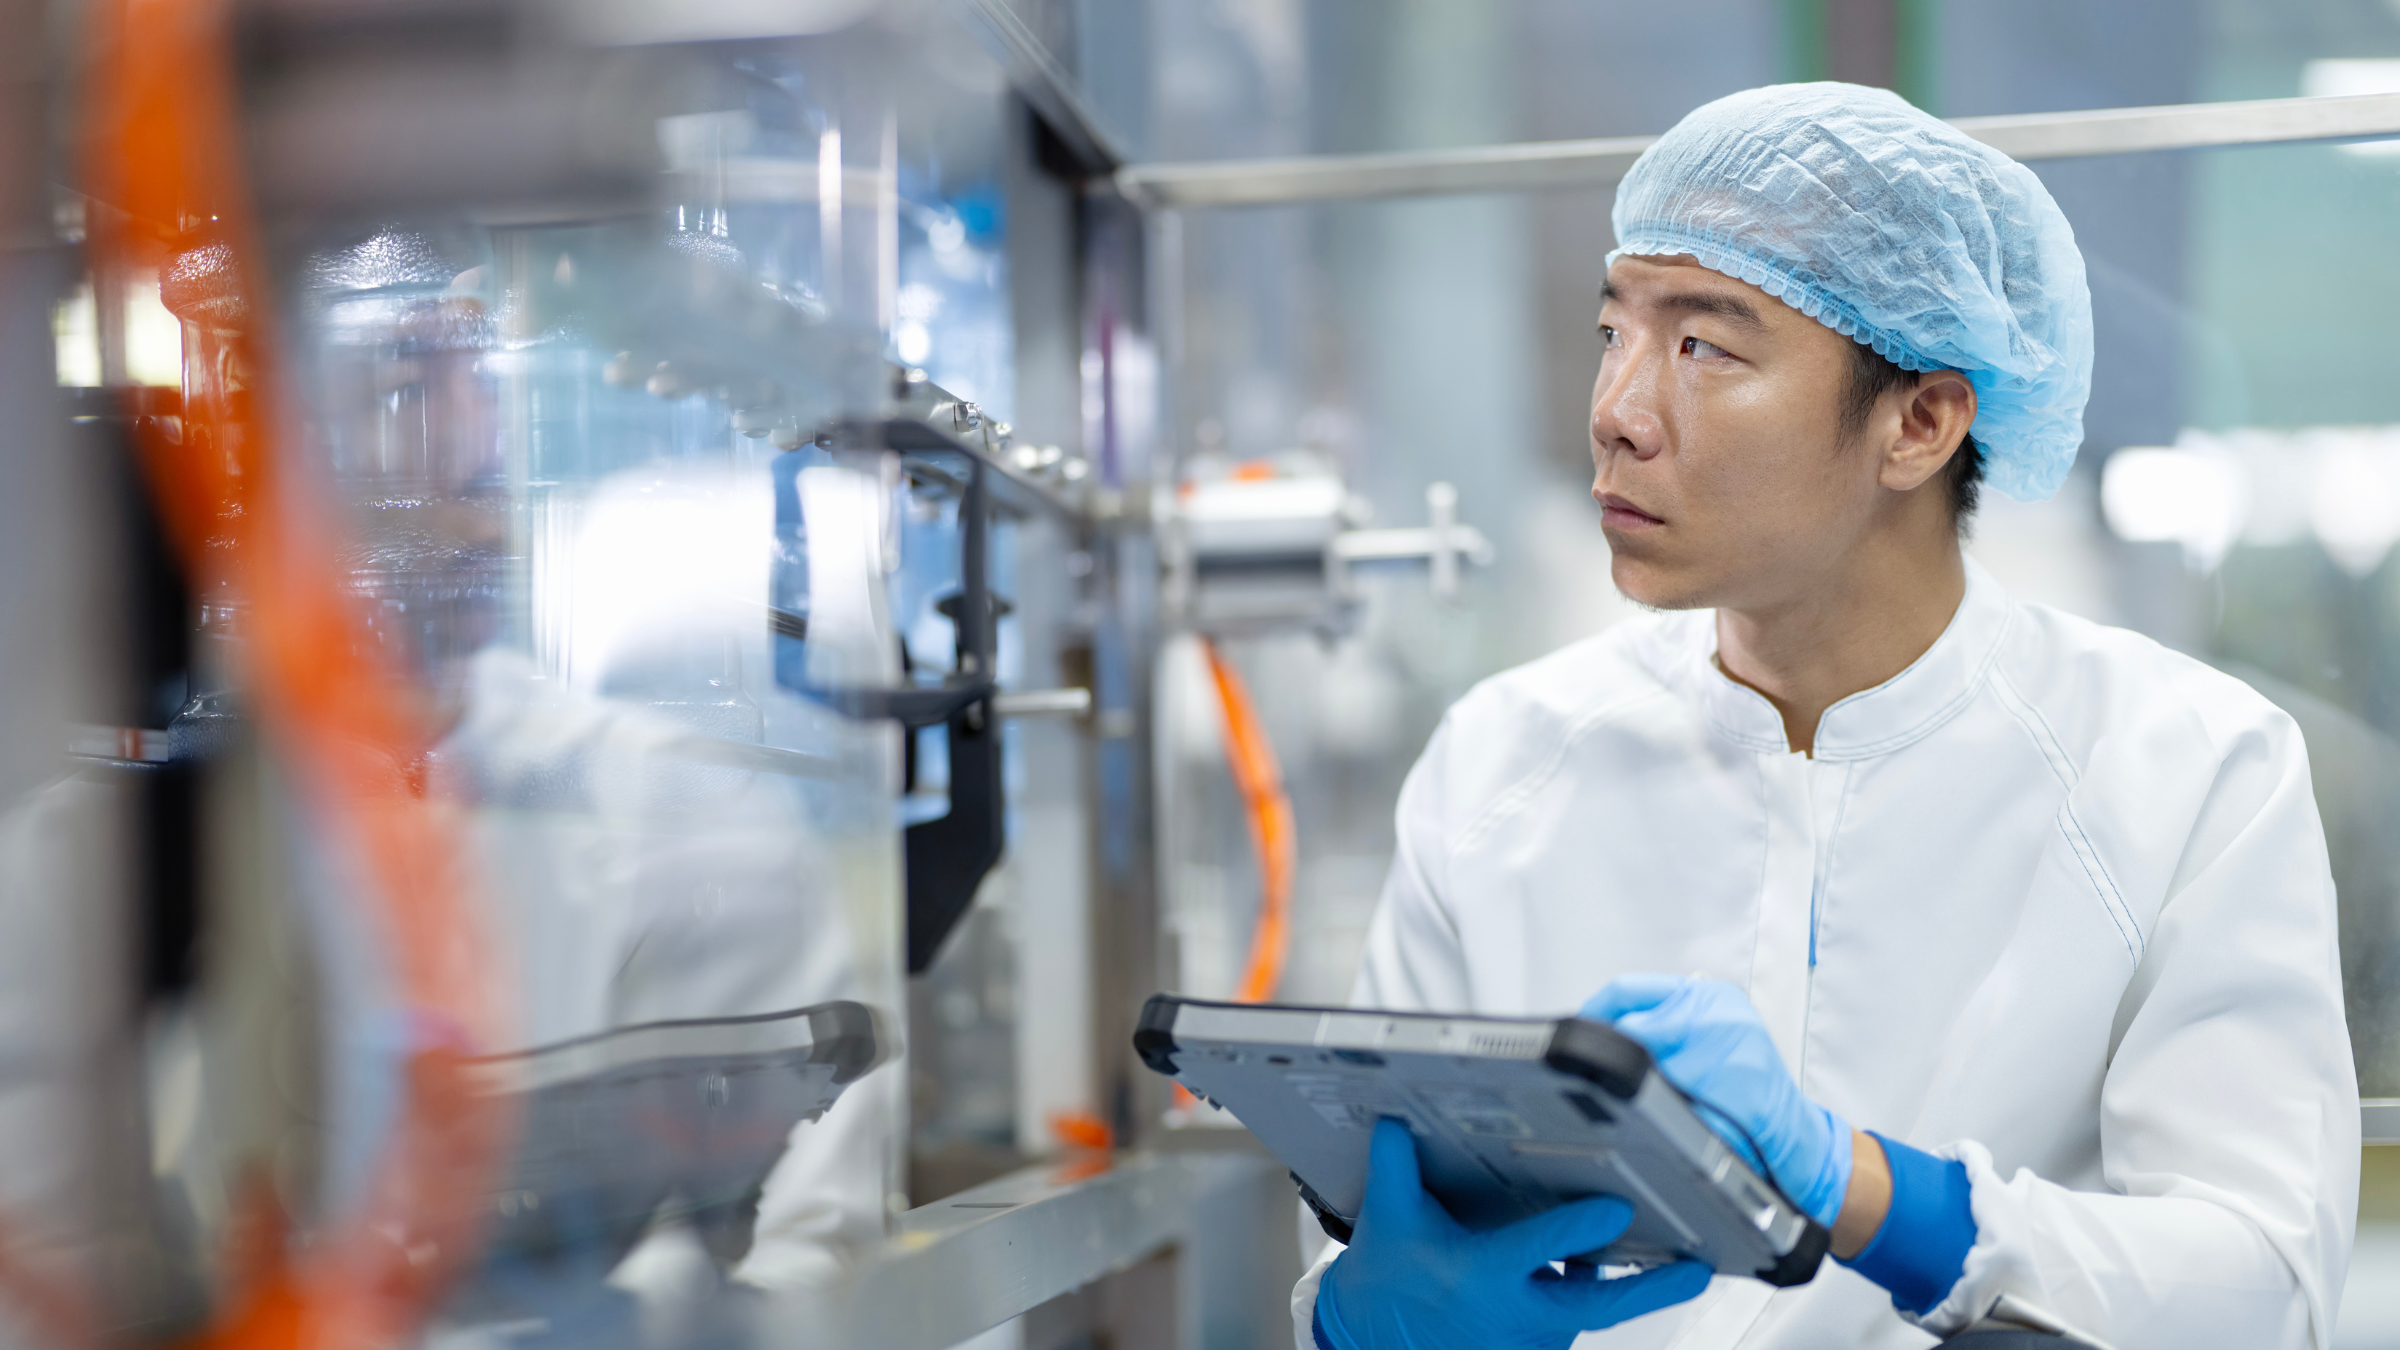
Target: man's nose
[1625, 416]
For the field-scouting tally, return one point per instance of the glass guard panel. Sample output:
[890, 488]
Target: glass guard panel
[607, 490]
[2239, 493]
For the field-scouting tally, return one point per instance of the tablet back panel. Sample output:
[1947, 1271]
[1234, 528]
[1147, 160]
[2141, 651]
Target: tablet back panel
[1511, 1117]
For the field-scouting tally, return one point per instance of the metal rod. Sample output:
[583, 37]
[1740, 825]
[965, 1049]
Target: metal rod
[1526, 166]
[1542, 165]
[2379, 1120]
[1074, 701]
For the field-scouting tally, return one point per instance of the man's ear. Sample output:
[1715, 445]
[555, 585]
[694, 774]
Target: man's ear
[1934, 418]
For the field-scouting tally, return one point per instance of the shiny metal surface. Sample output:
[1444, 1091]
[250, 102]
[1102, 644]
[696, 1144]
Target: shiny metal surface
[2188, 126]
[1069, 702]
[1530, 166]
[973, 1260]
[1541, 165]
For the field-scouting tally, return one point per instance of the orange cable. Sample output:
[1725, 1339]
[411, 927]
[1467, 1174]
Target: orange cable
[1259, 779]
[165, 150]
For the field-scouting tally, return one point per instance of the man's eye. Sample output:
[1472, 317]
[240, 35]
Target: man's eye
[1693, 346]
[1608, 336]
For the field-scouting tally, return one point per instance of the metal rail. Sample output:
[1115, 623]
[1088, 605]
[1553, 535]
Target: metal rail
[1543, 165]
[975, 1259]
[1060, 487]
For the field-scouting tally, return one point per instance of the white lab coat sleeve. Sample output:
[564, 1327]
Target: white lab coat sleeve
[1304, 1297]
[2229, 1126]
[1414, 959]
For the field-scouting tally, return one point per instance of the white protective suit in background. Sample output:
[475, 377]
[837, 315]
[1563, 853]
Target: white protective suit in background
[632, 884]
[2054, 901]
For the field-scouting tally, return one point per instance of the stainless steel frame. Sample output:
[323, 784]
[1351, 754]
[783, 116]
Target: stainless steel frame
[971, 1260]
[2379, 1120]
[1543, 165]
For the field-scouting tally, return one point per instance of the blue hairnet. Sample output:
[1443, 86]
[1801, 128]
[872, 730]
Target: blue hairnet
[1892, 228]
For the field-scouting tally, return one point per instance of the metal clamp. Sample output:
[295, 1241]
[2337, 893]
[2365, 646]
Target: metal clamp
[947, 857]
[1445, 543]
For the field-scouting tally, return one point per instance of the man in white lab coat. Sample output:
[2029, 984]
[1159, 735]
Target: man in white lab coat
[2009, 938]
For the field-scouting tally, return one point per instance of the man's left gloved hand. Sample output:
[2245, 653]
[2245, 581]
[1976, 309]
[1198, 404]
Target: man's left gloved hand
[1708, 1040]
[1415, 1279]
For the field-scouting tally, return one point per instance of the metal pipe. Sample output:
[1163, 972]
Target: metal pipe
[1542, 165]
[1072, 701]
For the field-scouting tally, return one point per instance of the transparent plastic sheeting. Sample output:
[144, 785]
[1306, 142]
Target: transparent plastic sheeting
[582, 568]
[574, 475]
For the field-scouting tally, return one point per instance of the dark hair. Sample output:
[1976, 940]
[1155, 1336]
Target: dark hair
[1872, 375]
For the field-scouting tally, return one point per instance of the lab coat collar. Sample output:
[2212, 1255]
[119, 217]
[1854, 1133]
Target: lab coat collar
[1877, 721]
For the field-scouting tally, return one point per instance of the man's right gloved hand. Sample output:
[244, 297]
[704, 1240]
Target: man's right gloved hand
[1413, 1279]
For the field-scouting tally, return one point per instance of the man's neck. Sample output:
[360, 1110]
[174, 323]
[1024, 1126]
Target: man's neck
[1849, 632]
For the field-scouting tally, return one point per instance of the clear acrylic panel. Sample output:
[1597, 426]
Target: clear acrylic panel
[604, 486]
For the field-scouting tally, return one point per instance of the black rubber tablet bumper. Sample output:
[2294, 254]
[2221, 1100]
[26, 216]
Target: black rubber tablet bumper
[1335, 1226]
[1617, 1064]
[1154, 1036]
[1598, 1054]
[848, 1036]
[1799, 1265]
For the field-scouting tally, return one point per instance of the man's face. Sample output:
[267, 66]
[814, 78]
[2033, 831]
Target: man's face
[1719, 455]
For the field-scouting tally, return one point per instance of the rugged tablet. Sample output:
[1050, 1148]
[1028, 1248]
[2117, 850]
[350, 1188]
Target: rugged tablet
[1511, 1116]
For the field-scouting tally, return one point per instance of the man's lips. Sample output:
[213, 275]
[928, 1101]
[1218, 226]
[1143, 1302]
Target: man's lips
[1616, 513]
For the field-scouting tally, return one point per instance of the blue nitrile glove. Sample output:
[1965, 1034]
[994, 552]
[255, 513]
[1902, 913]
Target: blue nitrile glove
[1920, 1251]
[1413, 1279]
[1707, 1040]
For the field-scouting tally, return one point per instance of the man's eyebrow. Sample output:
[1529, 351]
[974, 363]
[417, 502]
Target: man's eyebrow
[1732, 308]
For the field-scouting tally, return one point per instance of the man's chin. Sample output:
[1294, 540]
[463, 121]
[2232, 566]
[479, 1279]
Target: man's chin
[1657, 589]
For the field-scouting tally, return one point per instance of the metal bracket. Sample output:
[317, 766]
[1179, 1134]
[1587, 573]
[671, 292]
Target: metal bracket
[947, 857]
[970, 681]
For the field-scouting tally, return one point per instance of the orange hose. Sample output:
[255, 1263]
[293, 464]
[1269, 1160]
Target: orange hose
[165, 152]
[1259, 779]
